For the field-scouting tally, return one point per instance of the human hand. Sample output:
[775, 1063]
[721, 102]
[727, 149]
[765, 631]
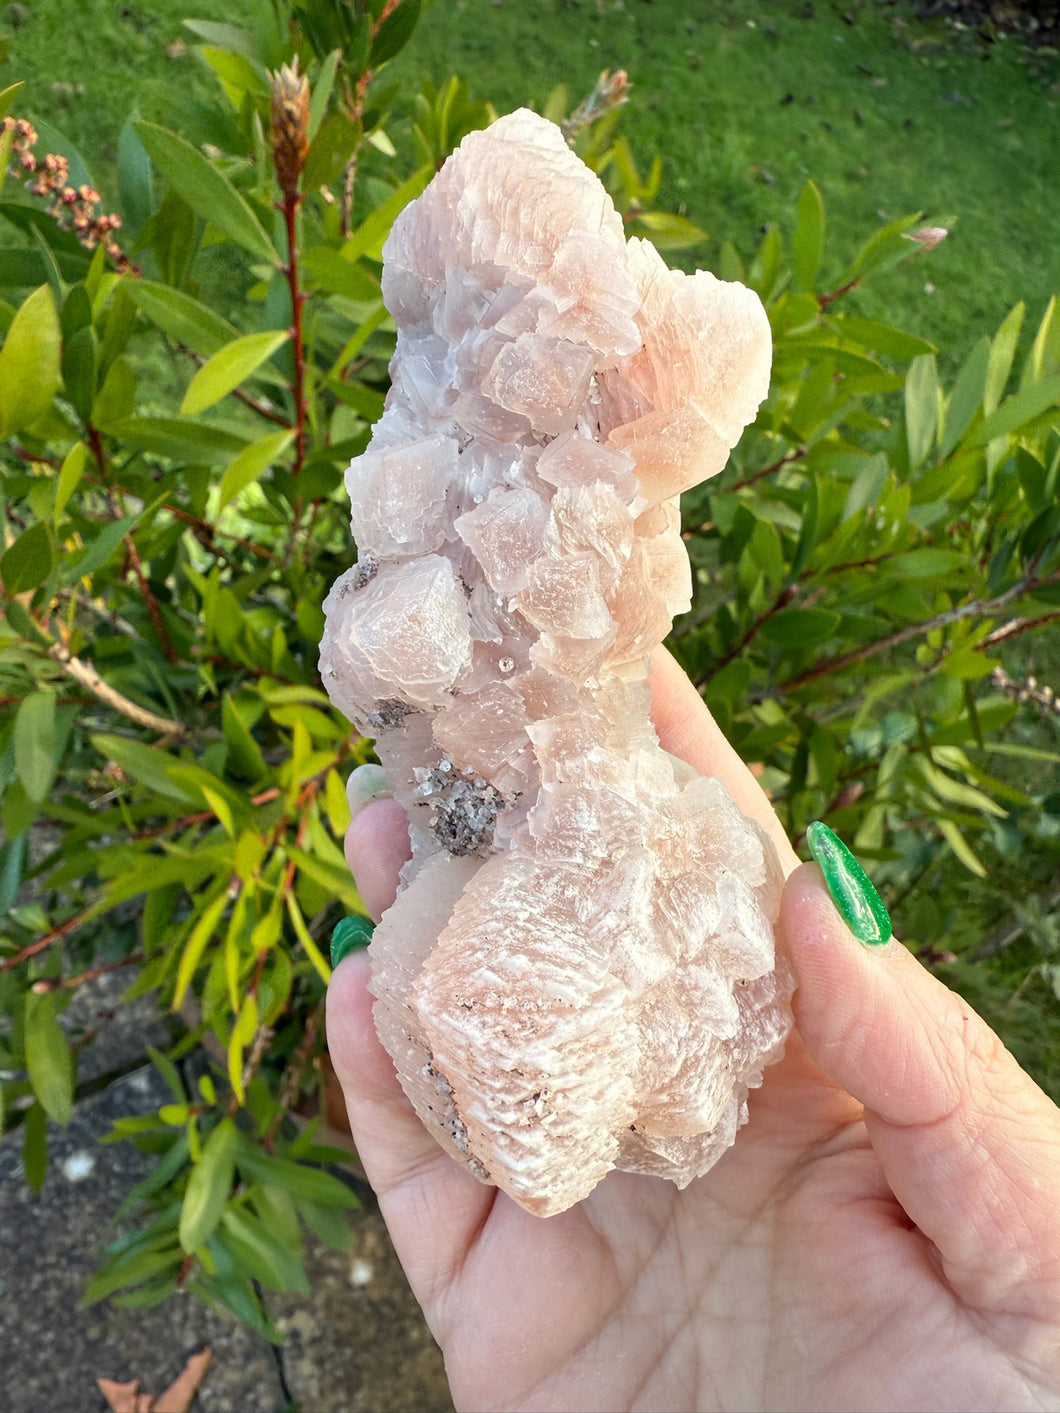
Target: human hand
[885, 1233]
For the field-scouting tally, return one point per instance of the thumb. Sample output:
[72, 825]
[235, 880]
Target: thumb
[968, 1143]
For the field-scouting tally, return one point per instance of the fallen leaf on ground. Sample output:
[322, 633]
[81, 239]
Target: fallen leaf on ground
[127, 1398]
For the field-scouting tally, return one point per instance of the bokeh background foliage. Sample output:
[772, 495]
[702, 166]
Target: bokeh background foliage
[877, 572]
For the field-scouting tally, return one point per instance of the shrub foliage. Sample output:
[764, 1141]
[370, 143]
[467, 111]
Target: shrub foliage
[179, 395]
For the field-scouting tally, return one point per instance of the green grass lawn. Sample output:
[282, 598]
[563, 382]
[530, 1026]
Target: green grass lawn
[745, 99]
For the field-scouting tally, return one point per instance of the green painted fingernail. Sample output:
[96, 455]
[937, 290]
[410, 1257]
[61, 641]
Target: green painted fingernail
[850, 888]
[349, 935]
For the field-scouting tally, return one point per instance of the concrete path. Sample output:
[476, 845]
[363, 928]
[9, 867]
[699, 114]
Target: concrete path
[357, 1344]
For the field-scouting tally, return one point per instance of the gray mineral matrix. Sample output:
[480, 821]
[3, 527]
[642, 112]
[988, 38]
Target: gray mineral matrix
[579, 972]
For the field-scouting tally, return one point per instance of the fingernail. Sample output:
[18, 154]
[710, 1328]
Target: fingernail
[366, 783]
[849, 886]
[349, 935]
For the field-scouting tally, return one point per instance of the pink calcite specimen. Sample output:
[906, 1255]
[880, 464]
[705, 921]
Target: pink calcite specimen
[578, 973]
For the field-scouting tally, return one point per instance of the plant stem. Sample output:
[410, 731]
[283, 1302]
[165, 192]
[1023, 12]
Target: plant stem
[89, 678]
[291, 202]
[42, 943]
[978, 608]
[205, 533]
[782, 600]
[355, 114]
[114, 497]
[796, 455]
[824, 300]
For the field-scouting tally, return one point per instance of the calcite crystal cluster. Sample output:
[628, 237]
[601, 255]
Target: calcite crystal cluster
[578, 973]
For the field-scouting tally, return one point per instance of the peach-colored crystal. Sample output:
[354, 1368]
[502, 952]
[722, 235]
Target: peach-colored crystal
[578, 973]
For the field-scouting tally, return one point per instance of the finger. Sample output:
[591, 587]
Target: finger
[431, 1204]
[686, 729]
[377, 844]
[967, 1141]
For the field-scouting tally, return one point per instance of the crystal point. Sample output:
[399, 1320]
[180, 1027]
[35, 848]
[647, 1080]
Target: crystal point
[579, 972]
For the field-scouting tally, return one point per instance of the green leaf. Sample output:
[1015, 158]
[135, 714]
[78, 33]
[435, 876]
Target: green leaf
[318, 102]
[27, 562]
[30, 371]
[7, 96]
[98, 550]
[312, 951]
[181, 438]
[926, 563]
[245, 758]
[75, 312]
[1044, 357]
[666, 230]
[229, 367]
[181, 317]
[196, 943]
[1002, 352]
[144, 764]
[116, 399]
[882, 338]
[368, 238]
[332, 148]
[808, 532]
[332, 271]
[169, 1072]
[206, 190]
[19, 267]
[35, 1148]
[79, 371]
[866, 486]
[226, 36]
[395, 32]
[801, 627]
[957, 792]
[260, 1253]
[51, 1070]
[131, 1269]
[921, 407]
[35, 745]
[134, 177]
[209, 1186]
[960, 846]
[73, 468]
[967, 664]
[884, 247]
[297, 1179]
[1022, 407]
[252, 463]
[807, 243]
[328, 1224]
[12, 863]
[242, 1034]
[357, 340]
[966, 398]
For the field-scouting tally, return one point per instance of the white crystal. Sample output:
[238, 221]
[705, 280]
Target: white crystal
[579, 971]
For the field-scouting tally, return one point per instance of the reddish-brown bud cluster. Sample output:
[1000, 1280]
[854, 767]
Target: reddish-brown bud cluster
[72, 208]
[289, 125]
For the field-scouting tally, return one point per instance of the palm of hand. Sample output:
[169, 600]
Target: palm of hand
[789, 1277]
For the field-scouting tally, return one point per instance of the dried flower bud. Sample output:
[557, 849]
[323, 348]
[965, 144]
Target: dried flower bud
[611, 91]
[289, 125]
[927, 237]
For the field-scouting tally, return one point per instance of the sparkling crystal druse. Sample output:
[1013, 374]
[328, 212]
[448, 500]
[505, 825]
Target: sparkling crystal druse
[578, 973]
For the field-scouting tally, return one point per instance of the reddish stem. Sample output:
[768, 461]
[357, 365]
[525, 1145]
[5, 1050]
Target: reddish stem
[824, 300]
[782, 600]
[291, 202]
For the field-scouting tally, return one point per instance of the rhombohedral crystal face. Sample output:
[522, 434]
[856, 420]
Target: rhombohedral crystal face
[578, 973]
